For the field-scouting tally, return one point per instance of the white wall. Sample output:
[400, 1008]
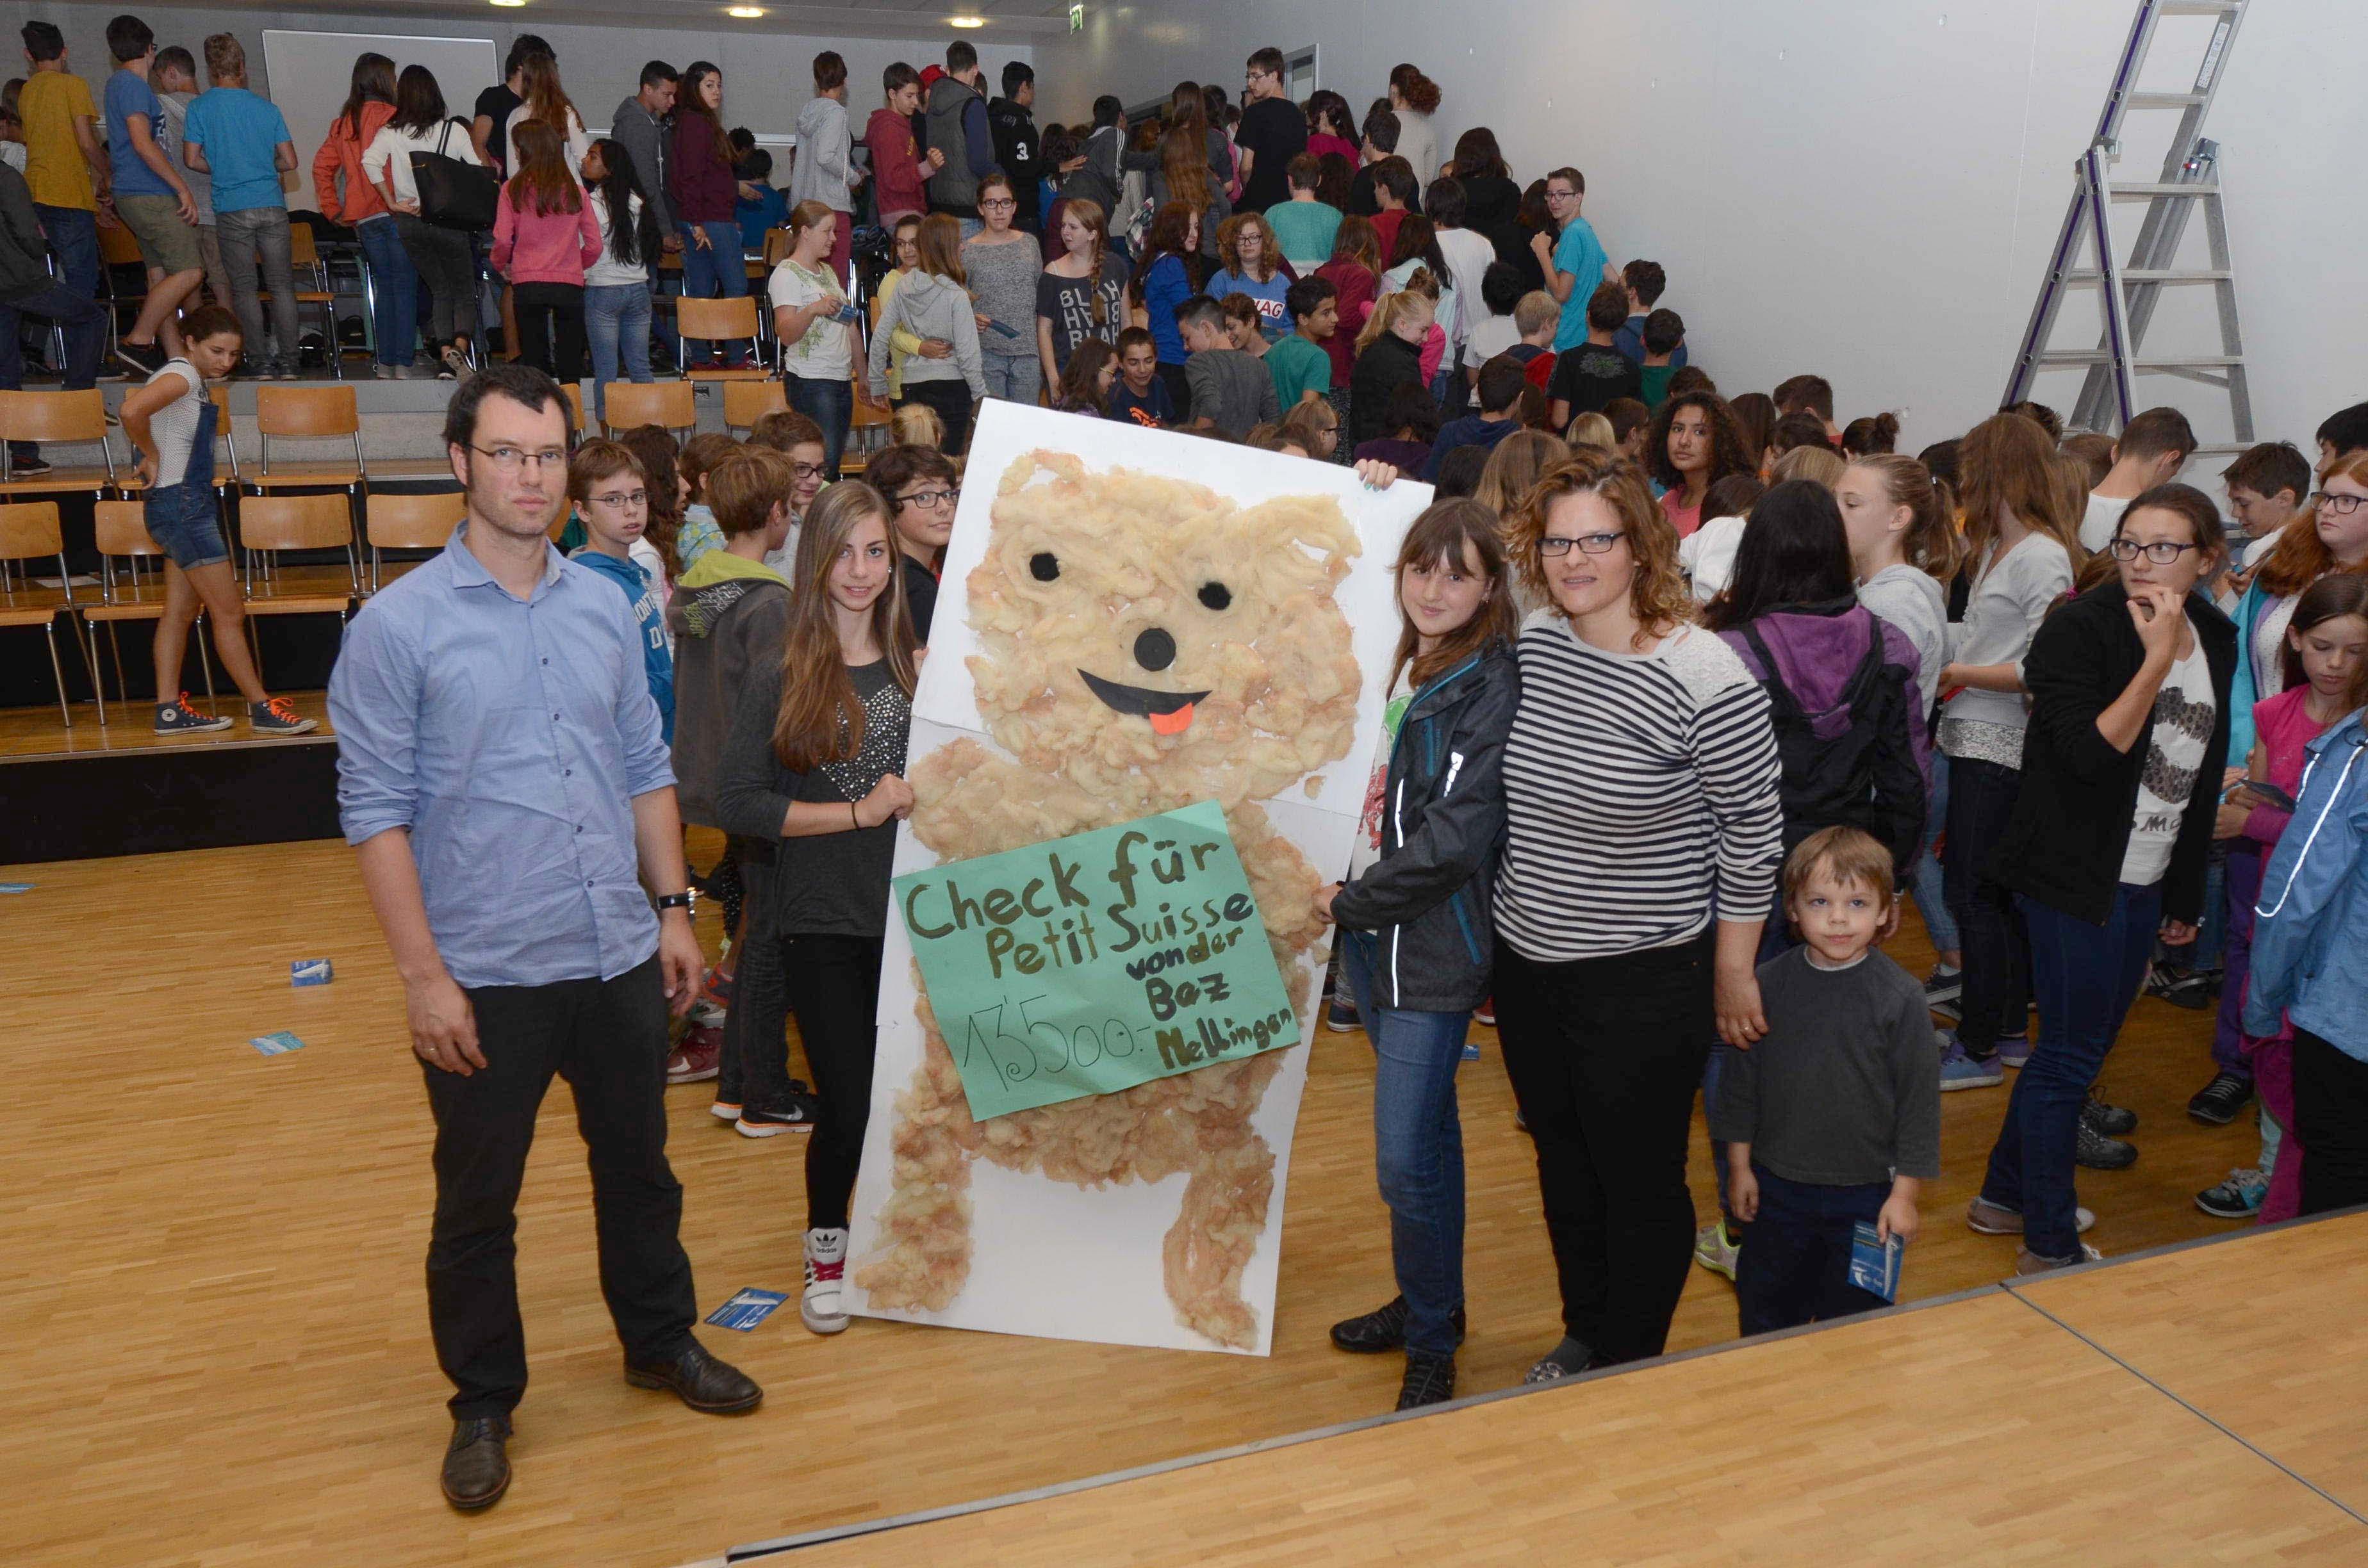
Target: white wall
[768, 76]
[1868, 189]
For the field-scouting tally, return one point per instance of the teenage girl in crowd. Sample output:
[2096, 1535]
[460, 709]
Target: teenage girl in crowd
[1641, 783]
[2022, 548]
[922, 485]
[2105, 847]
[617, 289]
[1694, 444]
[932, 305]
[1414, 915]
[812, 772]
[441, 257]
[1003, 264]
[1082, 293]
[817, 328]
[1163, 280]
[2309, 967]
[1248, 263]
[1355, 273]
[702, 191]
[1085, 383]
[545, 236]
[1389, 356]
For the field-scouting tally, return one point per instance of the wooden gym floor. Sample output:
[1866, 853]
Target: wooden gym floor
[220, 1348]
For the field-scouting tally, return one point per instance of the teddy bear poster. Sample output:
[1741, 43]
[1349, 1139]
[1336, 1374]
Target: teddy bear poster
[1130, 622]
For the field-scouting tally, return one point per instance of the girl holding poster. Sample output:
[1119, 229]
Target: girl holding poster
[813, 773]
[1414, 915]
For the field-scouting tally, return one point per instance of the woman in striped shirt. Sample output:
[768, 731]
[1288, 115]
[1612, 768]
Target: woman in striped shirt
[1641, 791]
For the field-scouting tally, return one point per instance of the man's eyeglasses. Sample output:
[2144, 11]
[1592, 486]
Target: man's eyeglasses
[1588, 544]
[616, 498]
[509, 459]
[930, 499]
[2337, 505]
[2162, 552]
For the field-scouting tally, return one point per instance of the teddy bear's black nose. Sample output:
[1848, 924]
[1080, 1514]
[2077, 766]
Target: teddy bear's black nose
[1154, 650]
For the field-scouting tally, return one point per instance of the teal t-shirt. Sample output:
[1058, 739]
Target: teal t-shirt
[238, 129]
[1298, 367]
[1305, 230]
[1656, 384]
[1581, 255]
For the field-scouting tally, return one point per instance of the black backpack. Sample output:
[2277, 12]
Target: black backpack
[1830, 780]
[454, 194]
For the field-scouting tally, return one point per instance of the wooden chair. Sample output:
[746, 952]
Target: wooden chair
[219, 394]
[123, 536]
[723, 321]
[73, 417]
[30, 532]
[410, 522]
[744, 403]
[268, 524]
[870, 431]
[310, 414]
[670, 403]
[305, 258]
[574, 409]
[118, 247]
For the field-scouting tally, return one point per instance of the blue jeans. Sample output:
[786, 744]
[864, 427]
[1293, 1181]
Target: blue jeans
[1017, 377]
[1924, 877]
[1795, 1268]
[257, 236]
[73, 240]
[1418, 1148]
[86, 326]
[1996, 947]
[2085, 977]
[830, 404]
[719, 270]
[617, 322]
[396, 288]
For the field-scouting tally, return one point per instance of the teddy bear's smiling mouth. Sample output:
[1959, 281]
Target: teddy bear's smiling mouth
[1170, 712]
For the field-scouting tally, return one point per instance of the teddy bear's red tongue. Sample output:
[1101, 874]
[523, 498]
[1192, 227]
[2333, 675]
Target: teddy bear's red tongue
[1174, 724]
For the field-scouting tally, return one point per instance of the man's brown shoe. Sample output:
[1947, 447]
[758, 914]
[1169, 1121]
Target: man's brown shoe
[476, 1468]
[701, 1381]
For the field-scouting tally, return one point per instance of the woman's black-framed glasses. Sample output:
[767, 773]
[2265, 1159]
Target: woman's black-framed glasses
[1588, 544]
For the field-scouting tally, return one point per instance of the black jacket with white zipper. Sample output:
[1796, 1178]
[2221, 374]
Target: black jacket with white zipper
[1442, 828]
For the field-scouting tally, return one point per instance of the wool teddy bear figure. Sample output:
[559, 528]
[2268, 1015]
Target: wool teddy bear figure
[1144, 644]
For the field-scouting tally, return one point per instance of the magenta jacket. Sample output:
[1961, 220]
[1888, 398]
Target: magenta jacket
[544, 247]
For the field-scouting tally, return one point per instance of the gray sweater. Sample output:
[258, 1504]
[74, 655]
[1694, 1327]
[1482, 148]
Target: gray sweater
[643, 135]
[929, 306]
[1844, 1090]
[2008, 600]
[1233, 389]
[1003, 281]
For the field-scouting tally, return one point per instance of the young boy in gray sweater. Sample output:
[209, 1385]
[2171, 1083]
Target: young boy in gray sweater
[1231, 390]
[1833, 1118]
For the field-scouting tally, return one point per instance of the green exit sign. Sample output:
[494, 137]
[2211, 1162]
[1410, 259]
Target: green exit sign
[1077, 16]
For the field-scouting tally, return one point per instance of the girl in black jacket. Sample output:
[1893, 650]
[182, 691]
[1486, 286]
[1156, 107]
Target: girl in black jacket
[1389, 354]
[1414, 915]
[2106, 845]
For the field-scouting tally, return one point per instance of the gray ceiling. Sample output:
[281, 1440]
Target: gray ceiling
[1007, 21]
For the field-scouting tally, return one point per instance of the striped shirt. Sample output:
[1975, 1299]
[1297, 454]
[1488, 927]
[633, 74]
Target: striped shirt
[1642, 793]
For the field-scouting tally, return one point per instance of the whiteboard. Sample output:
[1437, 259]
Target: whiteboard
[309, 74]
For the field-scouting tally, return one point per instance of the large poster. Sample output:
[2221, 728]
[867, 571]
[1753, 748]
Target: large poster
[1132, 624]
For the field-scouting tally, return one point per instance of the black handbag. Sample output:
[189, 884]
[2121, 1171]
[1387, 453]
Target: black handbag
[453, 195]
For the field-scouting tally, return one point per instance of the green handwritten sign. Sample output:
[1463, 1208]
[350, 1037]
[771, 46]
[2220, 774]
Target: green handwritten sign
[1092, 963]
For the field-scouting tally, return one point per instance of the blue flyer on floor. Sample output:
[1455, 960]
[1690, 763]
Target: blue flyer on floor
[16, 887]
[309, 972]
[279, 1042]
[746, 1310]
[1874, 1264]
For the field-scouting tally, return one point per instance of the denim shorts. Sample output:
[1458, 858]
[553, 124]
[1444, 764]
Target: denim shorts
[186, 521]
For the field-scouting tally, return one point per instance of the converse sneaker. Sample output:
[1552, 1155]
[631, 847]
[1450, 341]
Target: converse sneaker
[1943, 985]
[1715, 1250]
[823, 1306]
[1384, 1328]
[2112, 1120]
[1340, 1018]
[1430, 1379]
[2100, 1152]
[278, 716]
[1961, 1069]
[2029, 1262]
[1988, 1219]
[178, 718]
[2013, 1049]
[2238, 1197]
[697, 1058]
[2217, 1102]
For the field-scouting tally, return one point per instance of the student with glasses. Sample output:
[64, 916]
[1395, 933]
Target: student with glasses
[922, 486]
[1645, 831]
[2106, 845]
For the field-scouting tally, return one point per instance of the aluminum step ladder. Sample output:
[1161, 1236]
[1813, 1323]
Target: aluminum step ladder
[2129, 291]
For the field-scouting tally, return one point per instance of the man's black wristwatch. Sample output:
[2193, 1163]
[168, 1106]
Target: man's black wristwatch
[686, 901]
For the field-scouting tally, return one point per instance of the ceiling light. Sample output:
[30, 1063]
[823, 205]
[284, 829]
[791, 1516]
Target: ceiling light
[745, 12]
[512, 3]
[966, 21]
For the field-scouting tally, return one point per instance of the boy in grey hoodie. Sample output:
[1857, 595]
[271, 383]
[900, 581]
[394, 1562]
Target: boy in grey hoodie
[825, 169]
[929, 303]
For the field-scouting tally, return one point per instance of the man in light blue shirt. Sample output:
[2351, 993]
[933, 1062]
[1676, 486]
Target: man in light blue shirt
[502, 778]
[1576, 263]
[242, 140]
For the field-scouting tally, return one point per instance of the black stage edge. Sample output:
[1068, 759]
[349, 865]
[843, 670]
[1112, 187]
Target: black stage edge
[90, 806]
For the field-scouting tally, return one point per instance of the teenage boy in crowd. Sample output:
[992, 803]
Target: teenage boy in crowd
[1231, 390]
[2151, 450]
[175, 77]
[65, 162]
[149, 196]
[1017, 151]
[1587, 377]
[1832, 1117]
[1664, 338]
[1300, 364]
[27, 290]
[1499, 385]
[1574, 261]
[1140, 393]
[825, 170]
[1644, 283]
[511, 892]
[1273, 131]
[1304, 227]
[1381, 142]
[639, 126]
[242, 140]
[1809, 395]
[960, 141]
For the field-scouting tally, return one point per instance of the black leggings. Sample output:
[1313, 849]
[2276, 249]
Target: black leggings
[550, 327]
[2330, 1113]
[832, 984]
[952, 403]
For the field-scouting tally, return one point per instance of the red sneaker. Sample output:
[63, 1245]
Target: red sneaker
[1485, 1013]
[697, 1058]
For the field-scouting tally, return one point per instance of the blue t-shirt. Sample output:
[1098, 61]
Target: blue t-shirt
[1273, 320]
[1630, 341]
[769, 211]
[127, 94]
[1581, 255]
[237, 131]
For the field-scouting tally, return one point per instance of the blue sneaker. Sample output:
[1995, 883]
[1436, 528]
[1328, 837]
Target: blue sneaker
[1340, 1018]
[178, 718]
[2013, 1049]
[1960, 1069]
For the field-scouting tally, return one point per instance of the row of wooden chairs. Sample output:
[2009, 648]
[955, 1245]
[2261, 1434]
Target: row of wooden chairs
[306, 264]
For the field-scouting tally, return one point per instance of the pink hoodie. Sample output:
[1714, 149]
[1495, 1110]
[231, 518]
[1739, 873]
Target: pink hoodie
[545, 247]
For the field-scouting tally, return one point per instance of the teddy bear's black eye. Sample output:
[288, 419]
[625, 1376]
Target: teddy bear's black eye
[1044, 566]
[1216, 595]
